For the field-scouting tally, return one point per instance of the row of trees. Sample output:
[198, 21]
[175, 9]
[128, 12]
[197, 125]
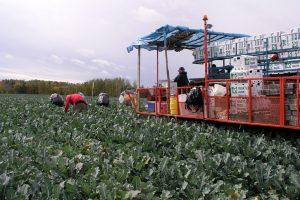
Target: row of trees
[93, 87]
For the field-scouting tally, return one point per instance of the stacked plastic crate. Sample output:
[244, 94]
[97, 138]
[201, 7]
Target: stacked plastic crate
[257, 44]
[215, 50]
[291, 106]
[212, 51]
[275, 41]
[198, 54]
[286, 44]
[245, 67]
[293, 39]
[293, 43]
[225, 48]
[241, 45]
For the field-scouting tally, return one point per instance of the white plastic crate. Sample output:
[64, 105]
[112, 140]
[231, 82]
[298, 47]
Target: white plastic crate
[241, 88]
[244, 62]
[292, 64]
[234, 74]
[276, 66]
[285, 41]
[292, 54]
[221, 50]
[274, 41]
[284, 55]
[257, 86]
[257, 44]
[292, 38]
[226, 48]
[264, 57]
[214, 50]
[241, 46]
[255, 73]
[199, 53]
[229, 51]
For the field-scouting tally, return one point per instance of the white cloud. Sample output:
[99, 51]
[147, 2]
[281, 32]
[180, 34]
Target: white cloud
[8, 56]
[106, 63]
[77, 61]
[12, 75]
[56, 59]
[92, 68]
[101, 62]
[147, 15]
[86, 52]
[105, 73]
[168, 5]
[127, 77]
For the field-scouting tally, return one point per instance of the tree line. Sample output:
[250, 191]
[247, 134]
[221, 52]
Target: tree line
[93, 87]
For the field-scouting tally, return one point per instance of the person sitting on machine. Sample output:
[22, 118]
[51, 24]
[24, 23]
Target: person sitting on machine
[181, 79]
[214, 69]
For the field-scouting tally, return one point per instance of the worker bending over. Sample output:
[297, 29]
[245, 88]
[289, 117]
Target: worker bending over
[78, 102]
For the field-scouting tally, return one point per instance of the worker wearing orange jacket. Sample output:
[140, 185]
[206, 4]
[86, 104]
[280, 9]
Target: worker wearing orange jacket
[78, 102]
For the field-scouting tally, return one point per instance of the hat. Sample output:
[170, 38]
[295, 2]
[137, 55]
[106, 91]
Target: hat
[181, 69]
[81, 94]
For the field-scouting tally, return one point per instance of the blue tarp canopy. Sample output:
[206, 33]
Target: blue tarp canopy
[178, 38]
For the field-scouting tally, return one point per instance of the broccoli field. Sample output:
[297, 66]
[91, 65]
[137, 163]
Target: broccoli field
[113, 153]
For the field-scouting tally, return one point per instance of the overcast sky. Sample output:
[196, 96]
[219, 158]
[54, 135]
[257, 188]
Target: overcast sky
[79, 40]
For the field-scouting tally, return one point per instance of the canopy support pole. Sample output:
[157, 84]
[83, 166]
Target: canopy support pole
[139, 68]
[157, 94]
[167, 68]
[206, 65]
[168, 79]
[157, 63]
[138, 78]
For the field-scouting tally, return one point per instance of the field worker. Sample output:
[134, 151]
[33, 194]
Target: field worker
[56, 99]
[78, 102]
[81, 94]
[181, 79]
[102, 99]
[129, 98]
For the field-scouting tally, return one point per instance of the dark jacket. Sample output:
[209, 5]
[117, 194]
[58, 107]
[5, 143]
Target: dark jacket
[182, 79]
[56, 99]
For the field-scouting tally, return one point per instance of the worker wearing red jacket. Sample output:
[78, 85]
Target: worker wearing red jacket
[78, 102]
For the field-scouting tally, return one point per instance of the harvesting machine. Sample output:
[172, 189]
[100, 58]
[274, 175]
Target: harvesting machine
[247, 80]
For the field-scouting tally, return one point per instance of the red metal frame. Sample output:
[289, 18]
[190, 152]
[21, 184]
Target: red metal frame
[297, 102]
[282, 102]
[159, 92]
[227, 100]
[206, 65]
[250, 101]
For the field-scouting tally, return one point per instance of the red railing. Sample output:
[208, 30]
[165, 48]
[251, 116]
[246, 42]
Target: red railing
[270, 102]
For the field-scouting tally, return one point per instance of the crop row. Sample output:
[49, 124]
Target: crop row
[113, 153]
